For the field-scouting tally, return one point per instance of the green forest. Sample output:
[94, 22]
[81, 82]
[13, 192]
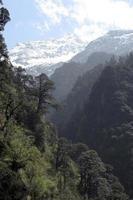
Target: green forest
[90, 158]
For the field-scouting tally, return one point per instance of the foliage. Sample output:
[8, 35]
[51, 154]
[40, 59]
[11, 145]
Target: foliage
[34, 163]
[105, 122]
[95, 180]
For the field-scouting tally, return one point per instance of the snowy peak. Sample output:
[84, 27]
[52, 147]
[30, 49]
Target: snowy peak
[43, 54]
[46, 56]
[118, 42]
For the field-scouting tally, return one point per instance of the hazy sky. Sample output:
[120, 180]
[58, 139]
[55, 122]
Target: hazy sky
[44, 19]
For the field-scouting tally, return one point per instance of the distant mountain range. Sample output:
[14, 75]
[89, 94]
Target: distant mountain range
[46, 56]
[60, 59]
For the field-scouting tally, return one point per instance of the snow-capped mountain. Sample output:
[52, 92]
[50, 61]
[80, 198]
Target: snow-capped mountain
[117, 42]
[44, 56]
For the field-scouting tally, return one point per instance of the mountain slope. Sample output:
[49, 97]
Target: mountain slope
[76, 99]
[118, 42]
[114, 42]
[66, 76]
[106, 121]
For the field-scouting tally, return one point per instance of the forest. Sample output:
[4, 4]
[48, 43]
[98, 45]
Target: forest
[87, 157]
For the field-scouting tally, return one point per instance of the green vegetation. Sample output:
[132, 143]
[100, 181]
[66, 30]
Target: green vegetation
[105, 122]
[34, 163]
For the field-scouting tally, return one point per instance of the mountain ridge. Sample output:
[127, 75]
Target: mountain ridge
[118, 42]
[45, 54]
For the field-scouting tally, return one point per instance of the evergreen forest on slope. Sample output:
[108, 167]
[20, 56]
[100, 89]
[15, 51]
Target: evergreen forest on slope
[89, 158]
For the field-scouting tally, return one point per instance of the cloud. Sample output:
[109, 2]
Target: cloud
[89, 32]
[53, 9]
[109, 12]
[42, 27]
[92, 17]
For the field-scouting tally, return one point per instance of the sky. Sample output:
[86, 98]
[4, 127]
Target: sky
[49, 19]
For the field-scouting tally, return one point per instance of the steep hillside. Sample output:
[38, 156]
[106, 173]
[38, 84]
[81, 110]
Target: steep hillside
[66, 76]
[106, 121]
[77, 98]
